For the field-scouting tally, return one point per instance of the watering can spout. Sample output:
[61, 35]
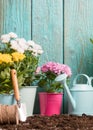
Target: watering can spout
[62, 78]
[72, 101]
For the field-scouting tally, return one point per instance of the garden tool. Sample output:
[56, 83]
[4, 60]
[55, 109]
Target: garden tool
[80, 95]
[21, 106]
[10, 114]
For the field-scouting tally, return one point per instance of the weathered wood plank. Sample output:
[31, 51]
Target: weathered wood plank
[16, 16]
[47, 28]
[78, 28]
[1, 17]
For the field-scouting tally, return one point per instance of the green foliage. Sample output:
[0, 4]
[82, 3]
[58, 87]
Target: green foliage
[21, 55]
[47, 81]
[6, 80]
[91, 40]
[29, 66]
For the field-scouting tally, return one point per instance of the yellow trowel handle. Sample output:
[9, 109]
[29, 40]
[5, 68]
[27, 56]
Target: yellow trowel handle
[15, 84]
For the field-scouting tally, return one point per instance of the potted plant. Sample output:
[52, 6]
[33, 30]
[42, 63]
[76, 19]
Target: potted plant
[9, 59]
[25, 68]
[32, 52]
[51, 99]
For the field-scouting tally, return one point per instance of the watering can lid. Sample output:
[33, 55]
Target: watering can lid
[82, 87]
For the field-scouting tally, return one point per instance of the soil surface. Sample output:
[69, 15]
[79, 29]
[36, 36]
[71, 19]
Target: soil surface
[55, 122]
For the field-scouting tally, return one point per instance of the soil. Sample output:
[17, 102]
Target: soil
[55, 122]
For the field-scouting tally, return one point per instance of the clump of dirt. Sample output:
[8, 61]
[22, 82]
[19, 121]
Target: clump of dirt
[55, 122]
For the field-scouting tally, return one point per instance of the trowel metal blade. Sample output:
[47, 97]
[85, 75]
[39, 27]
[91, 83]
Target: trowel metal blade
[22, 112]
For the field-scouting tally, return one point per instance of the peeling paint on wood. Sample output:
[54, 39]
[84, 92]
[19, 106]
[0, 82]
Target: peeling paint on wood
[17, 17]
[78, 51]
[47, 26]
[1, 17]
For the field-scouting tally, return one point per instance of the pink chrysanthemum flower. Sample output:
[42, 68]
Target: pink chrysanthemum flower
[56, 68]
[47, 74]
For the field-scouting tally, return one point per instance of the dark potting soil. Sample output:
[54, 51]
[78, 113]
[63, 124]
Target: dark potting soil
[55, 122]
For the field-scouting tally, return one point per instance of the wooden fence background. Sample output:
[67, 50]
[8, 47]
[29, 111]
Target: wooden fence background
[62, 27]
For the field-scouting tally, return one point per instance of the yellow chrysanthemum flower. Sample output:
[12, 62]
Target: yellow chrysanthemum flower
[0, 58]
[5, 58]
[17, 56]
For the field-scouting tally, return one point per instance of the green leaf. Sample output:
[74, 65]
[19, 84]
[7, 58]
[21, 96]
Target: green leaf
[91, 40]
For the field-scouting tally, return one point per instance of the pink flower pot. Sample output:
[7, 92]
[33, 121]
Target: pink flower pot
[50, 103]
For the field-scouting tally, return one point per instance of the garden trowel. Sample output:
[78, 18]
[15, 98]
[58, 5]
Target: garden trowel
[21, 106]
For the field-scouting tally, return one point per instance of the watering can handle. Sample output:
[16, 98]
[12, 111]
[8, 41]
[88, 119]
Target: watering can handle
[88, 78]
[91, 78]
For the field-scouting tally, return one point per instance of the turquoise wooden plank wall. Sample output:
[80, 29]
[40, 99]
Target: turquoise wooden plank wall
[62, 27]
[78, 28]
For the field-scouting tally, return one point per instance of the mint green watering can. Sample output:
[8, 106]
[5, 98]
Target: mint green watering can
[80, 96]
